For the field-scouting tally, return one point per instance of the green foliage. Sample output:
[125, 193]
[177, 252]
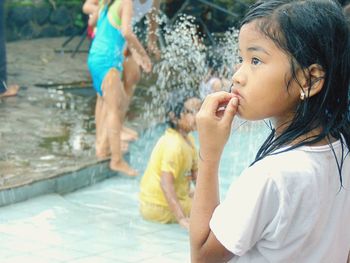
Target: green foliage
[64, 2]
[53, 3]
[79, 21]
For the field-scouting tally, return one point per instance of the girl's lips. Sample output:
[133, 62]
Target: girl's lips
[236, 93]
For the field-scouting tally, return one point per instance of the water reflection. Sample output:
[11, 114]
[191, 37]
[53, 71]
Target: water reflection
[46, 131]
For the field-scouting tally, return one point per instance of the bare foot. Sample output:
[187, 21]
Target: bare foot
[11, 91]
[123, 168]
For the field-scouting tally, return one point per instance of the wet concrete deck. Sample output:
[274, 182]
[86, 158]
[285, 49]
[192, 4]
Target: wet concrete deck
[48, 132]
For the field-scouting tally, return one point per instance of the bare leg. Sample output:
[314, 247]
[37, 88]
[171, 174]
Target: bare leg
[132, 76]
[11, 90]
[102, 146]
[114, 103]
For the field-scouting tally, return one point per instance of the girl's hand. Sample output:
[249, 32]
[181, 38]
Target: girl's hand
[153, 49]
[143, 61]
[146, 64]
[214, 121]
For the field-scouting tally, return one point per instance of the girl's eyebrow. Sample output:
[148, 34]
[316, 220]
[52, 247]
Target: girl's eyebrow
[257, 48]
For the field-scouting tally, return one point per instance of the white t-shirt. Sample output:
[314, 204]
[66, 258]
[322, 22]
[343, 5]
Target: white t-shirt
[288, 207]
[141, 9]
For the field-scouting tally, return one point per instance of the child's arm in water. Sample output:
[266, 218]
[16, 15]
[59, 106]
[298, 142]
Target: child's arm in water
[137, 50]
[90, 7]
[194, 174]
[214, 129]
[168, 187]
[193, 178]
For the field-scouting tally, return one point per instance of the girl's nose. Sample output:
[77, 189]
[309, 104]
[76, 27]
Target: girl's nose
[238, 78]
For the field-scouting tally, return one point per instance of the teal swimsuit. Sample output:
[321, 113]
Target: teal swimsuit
[106, 51]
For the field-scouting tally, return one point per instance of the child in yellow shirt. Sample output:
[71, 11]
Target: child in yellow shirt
[165, 186]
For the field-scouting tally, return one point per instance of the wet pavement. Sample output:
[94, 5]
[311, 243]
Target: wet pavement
[45, 131]
[48, 129]
[97, 224]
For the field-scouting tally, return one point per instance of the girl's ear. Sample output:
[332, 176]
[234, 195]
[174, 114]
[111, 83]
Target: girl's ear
[313, 81]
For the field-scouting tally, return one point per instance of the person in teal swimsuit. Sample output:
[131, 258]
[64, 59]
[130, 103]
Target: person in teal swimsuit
[105, 62]
[131, 70]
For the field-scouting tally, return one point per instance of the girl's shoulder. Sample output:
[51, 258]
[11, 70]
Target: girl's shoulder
[287, 161]
[170, 137]
[303, 166]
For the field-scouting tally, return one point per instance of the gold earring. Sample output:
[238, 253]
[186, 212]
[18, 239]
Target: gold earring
[302, 95]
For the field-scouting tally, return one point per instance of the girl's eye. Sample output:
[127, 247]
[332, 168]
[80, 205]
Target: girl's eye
[239, 60]
[256, 61]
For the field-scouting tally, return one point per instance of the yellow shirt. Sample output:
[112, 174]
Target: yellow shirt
[174, 155]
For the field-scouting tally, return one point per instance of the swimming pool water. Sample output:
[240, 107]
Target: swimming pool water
[239, 152]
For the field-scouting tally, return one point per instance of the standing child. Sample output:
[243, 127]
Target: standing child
[5, 90]
[105, 63]
[131, 69]
[293, 203]
[165, 186]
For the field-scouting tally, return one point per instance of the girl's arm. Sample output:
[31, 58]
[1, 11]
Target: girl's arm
[213, 128]
[193, 178]
[167, 185]
[152, 45]
[134, 44]
[91, 8]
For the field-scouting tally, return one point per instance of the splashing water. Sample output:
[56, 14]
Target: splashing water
[224, 54]
[182, 67]
[185, 62]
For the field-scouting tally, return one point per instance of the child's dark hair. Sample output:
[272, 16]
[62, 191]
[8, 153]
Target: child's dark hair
[174, 105]
[310, 32]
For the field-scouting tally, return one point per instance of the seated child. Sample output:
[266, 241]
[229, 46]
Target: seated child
[165, 186]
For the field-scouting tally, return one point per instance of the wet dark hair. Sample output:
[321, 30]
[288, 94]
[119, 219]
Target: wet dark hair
[310, 32]
[175, 103]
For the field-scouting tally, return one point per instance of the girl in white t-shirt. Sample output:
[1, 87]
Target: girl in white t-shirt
[293, 203]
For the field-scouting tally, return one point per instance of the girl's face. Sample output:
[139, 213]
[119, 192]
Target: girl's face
[187, 120]
[261, 77]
